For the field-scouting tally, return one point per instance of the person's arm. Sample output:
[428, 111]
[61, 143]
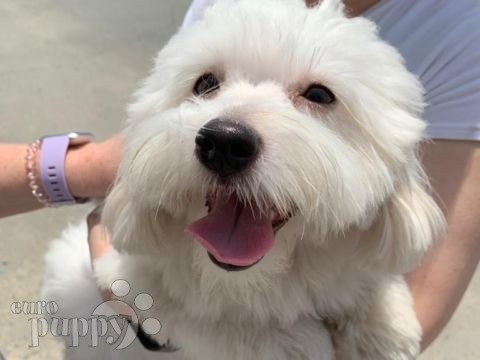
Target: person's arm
[89, 171]
[438, 285]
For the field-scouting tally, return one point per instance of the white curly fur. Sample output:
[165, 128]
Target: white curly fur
[350, 169]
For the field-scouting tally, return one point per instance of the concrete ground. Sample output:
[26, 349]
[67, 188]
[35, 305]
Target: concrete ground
[72, 65]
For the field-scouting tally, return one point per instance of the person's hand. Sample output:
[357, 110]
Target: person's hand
[98, 243]
[91, 169]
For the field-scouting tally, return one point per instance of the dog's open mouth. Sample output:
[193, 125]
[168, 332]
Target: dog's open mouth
[235, 235]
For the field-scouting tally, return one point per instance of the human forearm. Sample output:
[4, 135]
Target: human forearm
[438, 286]
[89, 171]
[439, 283]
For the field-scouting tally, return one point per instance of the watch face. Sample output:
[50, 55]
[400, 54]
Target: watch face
[80, 138]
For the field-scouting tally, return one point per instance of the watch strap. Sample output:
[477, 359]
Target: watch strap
[52, 170]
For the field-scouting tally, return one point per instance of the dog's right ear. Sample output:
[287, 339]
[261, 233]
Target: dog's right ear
[115, 208]
[132, 229]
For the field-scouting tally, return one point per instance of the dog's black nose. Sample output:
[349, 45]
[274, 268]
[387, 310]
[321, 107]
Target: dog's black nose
[226, 147]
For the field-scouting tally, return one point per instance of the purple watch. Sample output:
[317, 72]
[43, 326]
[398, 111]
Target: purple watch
[52, 166]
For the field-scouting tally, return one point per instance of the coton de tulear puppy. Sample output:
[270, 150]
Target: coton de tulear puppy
[270, 182]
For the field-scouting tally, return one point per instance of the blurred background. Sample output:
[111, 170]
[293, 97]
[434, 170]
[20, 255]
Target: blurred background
[72, 65]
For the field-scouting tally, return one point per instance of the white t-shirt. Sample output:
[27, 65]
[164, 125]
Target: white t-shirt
[440, 41]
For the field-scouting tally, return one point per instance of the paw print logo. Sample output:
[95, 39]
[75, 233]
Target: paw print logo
[143, 302]
[121, 319]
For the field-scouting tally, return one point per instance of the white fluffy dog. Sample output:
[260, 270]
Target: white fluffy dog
[270, 182]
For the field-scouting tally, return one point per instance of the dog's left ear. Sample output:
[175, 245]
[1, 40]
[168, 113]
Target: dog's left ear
[407, 224]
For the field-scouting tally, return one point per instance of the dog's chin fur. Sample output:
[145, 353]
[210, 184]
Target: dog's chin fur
[347, 173]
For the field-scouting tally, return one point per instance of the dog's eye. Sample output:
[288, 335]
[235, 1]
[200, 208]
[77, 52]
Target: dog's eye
[319, 94]
[206, 84]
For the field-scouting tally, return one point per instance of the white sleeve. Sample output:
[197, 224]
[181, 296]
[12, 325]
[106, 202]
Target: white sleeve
[195, 11]
[453, 94]
[440, 41]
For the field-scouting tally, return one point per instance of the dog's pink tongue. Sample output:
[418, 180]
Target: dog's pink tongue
[234, 233]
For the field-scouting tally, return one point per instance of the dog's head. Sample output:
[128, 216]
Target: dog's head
[269, 123]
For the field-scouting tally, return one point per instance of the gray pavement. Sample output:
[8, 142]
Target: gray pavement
[73, 64]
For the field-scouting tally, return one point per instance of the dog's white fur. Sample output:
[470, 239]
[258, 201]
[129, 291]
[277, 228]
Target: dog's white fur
[350, 169]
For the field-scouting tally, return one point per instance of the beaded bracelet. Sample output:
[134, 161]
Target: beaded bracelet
[31, 167]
